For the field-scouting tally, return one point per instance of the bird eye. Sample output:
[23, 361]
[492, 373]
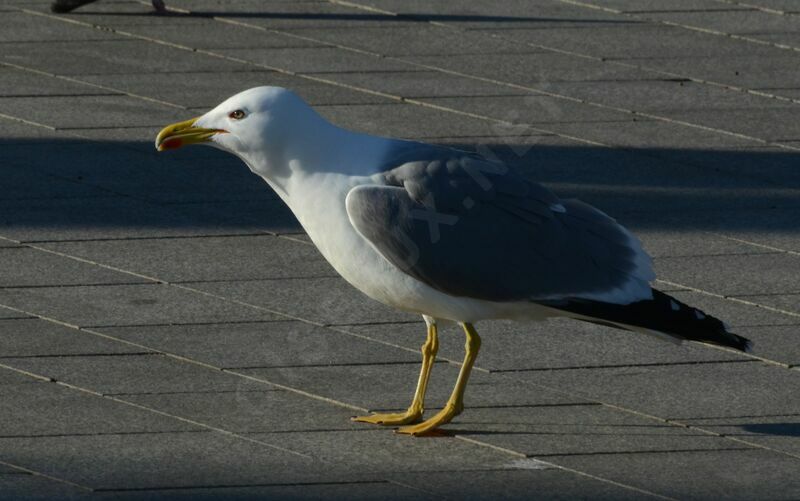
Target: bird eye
[236, 115]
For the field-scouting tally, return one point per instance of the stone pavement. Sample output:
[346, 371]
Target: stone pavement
[167, 330]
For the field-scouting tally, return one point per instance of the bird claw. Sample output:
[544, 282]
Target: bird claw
[408, 417]
[429, 427]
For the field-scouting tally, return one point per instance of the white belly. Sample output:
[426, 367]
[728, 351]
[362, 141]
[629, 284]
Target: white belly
[323, 215]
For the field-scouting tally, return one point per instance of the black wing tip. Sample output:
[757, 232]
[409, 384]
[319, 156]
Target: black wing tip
[742, 343]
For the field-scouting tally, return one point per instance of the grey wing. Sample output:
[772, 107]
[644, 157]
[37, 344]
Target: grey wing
[473, 228]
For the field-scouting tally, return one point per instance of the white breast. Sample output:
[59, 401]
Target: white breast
[318, 202]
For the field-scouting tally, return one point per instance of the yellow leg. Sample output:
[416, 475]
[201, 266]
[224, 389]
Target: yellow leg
[455, 404]
[414, 412]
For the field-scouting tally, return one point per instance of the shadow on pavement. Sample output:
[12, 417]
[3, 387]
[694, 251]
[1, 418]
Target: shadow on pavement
[469, 18]
[779, 429]
[64, 183]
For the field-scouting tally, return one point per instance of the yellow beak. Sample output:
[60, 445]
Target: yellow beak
[180, 134]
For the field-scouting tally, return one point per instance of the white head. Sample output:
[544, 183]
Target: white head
[267, 127]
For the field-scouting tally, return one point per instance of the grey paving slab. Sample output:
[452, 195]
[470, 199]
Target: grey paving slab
[743, 71]
[390, 387]
[413, 39]
[532, 69]
[164, 460]
[106, 111]
[746, 474]
[127, 305]
[729, 21]
[580, 430]
[23, 27]
[20, 183]
[677, 243]
[382, 451]
[734, 275]
[115, 56]
[244, 257]
[785, 39]
[118, 217]
[313, 60]
[208, 89]
[416, 84]
[115, 374]
[123, 161]
[551, 345]
[785, 6]
[645, 6]
[484, 14]
[269, 344]
[187, 31]
[252, 409]
[367, 490]
[33, 487]
[15, 132]
[775, 342]
[624, 41]
[323, 300]
[789, 302]
[293, 15]
[246, 216]
[7, 314]
[770, 124]
[20, 83]
[671, 138]
[736, 314]
[656, 95]
[10, 377]
[532, 109]
[27, 267]
[33, 337]
[402, 120]
[722, 389]
[773, 228]
[31, 410]
[530, 478]
[772, 431]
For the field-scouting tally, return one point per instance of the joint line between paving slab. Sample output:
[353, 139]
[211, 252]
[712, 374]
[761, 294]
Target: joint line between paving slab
[586, 56]
[489, 80]
[359, 409]
[35, 473]
[318, 397]
[624, 366]
[83, 82]
[400, 98]
[239, 486]
[156, 411]
[681, 25]
[301, 392]
[759, 7]
[731, 298]
[285, 315]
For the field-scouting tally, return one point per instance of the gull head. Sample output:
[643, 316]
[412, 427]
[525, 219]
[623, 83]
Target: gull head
[258, 125]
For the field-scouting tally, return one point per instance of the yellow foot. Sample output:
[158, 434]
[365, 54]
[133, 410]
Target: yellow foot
[429, 426]
[408, 417]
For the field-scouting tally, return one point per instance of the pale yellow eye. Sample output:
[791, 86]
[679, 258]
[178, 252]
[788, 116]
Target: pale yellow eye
[236, 115]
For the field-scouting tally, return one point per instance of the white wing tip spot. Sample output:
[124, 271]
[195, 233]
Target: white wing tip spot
[558, 208]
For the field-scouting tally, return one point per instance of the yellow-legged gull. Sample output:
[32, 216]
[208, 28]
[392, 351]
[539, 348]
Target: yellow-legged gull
[443, 233]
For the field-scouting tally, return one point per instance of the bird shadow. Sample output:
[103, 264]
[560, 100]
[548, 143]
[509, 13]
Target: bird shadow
[776, 429]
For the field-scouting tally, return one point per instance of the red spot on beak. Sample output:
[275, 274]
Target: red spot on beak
[172, 143]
